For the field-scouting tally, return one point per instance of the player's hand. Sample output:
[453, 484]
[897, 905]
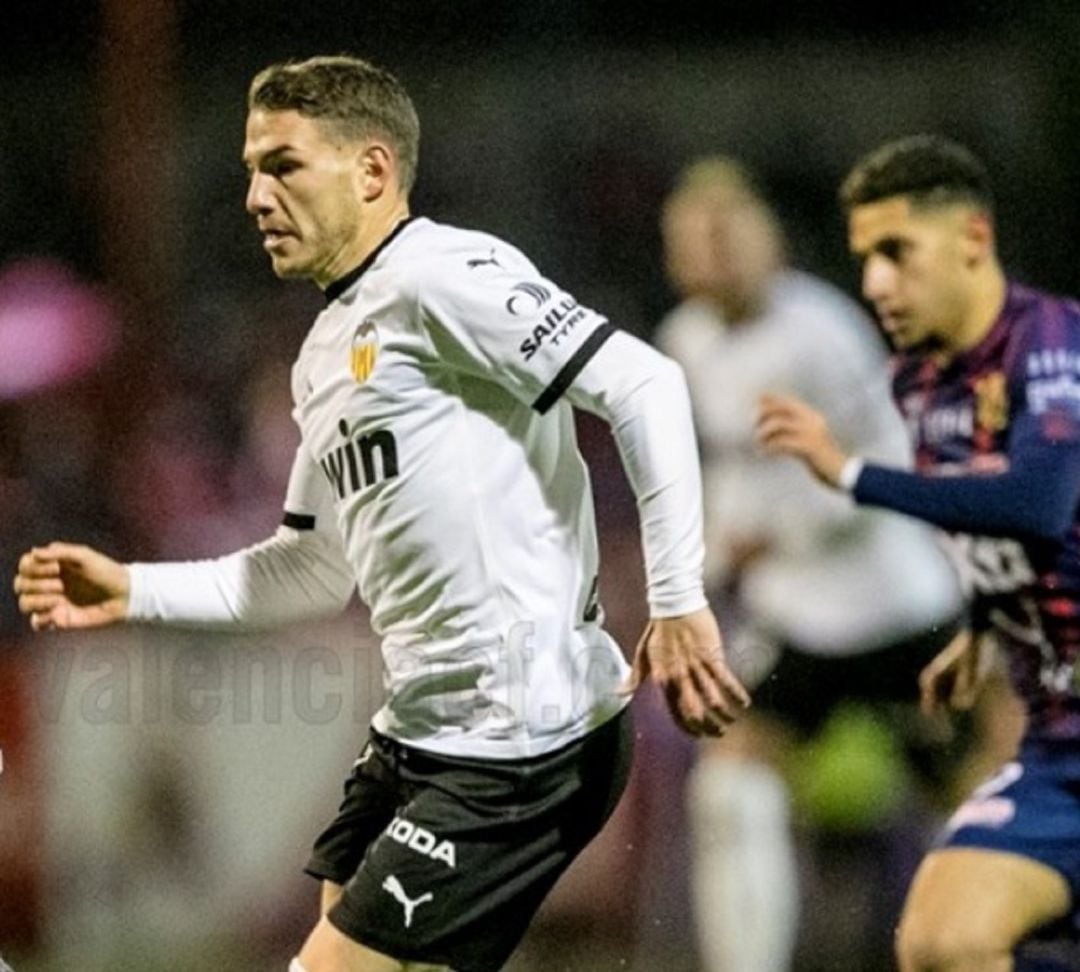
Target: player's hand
[685, 658]
[65, 585]
[954, 676]
[788, 426]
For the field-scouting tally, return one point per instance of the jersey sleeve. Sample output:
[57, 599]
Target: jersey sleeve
[643, 397]
[1037, 495]
[1044, 377]
[297, 574]
[493, 315]
[308, 503]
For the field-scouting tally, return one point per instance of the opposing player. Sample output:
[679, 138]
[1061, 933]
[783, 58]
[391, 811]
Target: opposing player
[438, 472]
[987, 374]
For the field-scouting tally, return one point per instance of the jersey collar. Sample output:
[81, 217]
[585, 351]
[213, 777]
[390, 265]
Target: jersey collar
[339, 286]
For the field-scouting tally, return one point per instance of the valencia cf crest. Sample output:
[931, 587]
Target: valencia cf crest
[364, 351]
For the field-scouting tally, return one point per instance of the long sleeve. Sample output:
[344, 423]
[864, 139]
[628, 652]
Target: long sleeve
[295, 575]
[1036, 497]
[298, 574]
[1036, 494]
[643, 397]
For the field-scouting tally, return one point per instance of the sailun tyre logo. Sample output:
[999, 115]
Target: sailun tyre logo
[364, 351]
[527, 298]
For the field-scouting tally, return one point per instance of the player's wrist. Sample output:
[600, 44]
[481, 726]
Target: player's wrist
[673, 607]
[849, 473]
[134, 597]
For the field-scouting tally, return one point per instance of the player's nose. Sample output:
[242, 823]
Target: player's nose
[878, 277]
[259, 200]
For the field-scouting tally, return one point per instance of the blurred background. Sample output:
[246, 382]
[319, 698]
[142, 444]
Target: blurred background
[160, 792]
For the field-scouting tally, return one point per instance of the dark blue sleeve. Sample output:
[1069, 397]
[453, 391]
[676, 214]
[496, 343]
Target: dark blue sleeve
[1037, 497]
[1038, 494]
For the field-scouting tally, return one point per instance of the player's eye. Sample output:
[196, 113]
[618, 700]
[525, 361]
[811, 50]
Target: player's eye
[282, 167]
[892, 249]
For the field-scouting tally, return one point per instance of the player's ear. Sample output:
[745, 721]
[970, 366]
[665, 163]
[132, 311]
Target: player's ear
[377, 169]
[978, 237]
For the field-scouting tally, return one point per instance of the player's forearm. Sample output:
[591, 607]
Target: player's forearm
[1037, 497]
[288, 578]
[643, 396]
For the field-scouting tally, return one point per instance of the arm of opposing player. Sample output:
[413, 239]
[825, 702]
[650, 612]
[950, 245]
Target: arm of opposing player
[1037, 492]
[1036, 497]
[788, 426]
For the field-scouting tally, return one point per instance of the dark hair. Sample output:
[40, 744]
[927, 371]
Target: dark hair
[929, 169]
[355, 97]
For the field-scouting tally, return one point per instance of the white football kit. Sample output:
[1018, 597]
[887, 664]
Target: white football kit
[439, 474]
[831, 578]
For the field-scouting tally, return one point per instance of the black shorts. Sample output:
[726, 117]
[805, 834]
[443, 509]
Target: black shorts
[804, 688]
[446, 860]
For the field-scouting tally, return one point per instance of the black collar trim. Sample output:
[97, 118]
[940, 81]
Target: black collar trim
[339, 286]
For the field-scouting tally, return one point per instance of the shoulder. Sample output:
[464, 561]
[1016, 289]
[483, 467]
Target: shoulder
[436, 256]
[688, 331]
[797, 288]
[1038, 312]
[823, 318]
[1043, 331]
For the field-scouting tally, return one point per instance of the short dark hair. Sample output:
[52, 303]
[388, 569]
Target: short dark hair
[930, 170]
[355, 97]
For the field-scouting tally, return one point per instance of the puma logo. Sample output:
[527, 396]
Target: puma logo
[393, 885]
[483, 262]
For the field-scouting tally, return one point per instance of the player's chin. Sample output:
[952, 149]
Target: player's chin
[288, 267]
[901, 340]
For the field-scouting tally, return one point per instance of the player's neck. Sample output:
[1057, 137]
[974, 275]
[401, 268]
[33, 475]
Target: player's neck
[742, 308]
[987, 299]
[379, 224]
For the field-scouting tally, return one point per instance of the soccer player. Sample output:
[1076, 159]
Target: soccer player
[835, 605]
[987, 374]
[438, 473]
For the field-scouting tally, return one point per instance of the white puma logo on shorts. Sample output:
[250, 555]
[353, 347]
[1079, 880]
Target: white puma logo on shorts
[393, 885]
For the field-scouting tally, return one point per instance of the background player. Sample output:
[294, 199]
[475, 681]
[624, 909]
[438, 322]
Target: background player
[987, 375]
[438, 471]
[831, 604]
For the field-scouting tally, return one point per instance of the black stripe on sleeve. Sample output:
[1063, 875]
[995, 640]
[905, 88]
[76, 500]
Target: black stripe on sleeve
[569, 371]
[298, 521]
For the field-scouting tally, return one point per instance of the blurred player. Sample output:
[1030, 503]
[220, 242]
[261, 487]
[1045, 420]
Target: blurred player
[438, 471]
[847, 604]
[987, 374]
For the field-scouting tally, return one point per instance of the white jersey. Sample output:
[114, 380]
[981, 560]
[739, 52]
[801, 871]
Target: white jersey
[832, 578]
[439, 473]
[466, 513]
